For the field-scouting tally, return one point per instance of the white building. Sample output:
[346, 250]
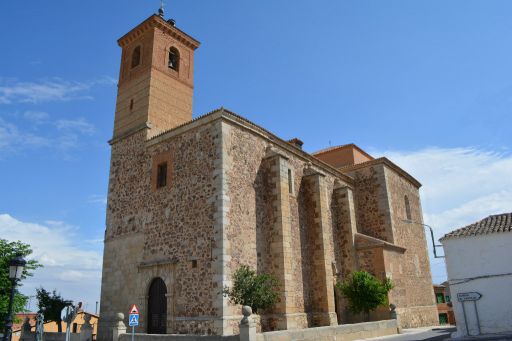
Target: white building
[479, 261]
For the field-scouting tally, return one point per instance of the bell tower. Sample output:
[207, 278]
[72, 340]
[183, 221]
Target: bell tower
[156, 79]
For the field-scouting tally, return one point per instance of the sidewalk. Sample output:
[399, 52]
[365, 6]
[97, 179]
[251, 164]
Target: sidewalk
[497, 337]
[435, 333]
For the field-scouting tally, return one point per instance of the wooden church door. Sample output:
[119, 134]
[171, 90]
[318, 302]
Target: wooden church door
[157, 307]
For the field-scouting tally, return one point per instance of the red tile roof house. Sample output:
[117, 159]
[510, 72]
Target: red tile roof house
[479, 270]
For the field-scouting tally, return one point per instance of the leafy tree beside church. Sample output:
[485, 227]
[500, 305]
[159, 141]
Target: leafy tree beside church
[52, 304]
[9, 250]
[364, 292]
[256, 291]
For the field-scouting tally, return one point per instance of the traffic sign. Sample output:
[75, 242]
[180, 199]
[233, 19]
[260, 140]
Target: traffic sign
[133, 321]
[468, 296]
[134, 310]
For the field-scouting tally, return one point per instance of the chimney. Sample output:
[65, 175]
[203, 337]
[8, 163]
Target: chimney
[296, 142]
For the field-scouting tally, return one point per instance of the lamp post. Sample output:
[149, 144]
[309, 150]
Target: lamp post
[16, 266]
[434, 245]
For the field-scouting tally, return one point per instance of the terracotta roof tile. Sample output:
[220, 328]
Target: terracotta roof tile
[349, 145]
[497, 223]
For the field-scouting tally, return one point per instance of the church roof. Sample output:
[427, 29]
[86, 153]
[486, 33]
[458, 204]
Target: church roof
[343, 146]
[232, 117]
[497, 223]
[384, 161]
[291, 147]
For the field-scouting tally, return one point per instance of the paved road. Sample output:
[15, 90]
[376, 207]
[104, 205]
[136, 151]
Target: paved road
[435, 334]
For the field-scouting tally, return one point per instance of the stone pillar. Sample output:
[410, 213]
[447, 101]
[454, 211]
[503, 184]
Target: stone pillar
[119, 327]
[143, 308]
[280, 241]
[26, 331]
[394, 316]
[322, 286]
[86, 329]
[247, 325]
[221, 249]
[346, 213]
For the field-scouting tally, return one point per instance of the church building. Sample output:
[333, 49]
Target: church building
[190, 200]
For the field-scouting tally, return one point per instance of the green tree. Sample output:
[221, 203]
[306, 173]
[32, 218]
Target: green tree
[9, 250]
[256, 291]
[364, 292]
[52, 304]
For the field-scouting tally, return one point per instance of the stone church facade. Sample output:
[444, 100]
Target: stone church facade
[190, 200]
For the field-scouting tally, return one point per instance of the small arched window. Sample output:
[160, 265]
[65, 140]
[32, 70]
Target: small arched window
[407, 208]
[174, 59]
[136, 57]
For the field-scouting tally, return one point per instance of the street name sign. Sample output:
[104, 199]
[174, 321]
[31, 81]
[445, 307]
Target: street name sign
[468, 296]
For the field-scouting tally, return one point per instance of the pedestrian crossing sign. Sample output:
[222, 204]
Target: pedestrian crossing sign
[133, 320]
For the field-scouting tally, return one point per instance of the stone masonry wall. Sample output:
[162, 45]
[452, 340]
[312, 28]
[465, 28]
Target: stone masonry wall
[344, 228]
[413, 294]
[162, 233]
[252, 217]
[228, 203]
[372, 206]
[381, 212]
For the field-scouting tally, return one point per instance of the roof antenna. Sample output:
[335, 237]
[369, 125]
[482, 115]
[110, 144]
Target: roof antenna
[161, 9]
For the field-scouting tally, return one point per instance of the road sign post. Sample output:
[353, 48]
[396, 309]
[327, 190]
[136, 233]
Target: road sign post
[133, 320]
[468, 296]
[463, 297]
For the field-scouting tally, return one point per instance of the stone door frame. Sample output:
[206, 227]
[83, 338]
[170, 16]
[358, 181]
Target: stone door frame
[148, 271]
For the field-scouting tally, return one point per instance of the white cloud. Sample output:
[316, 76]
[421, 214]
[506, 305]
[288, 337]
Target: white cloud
[11, 138]
[71, 276]
[71, 266]
[79, 125]
[43, 91]
[36, 117]
[66, 137]
[97, 199]
[460, 186]
[52, 90]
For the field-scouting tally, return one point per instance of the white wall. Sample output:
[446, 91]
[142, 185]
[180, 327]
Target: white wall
[469, 257]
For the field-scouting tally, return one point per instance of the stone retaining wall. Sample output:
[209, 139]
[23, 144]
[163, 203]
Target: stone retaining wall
[51, 336]
[177, 337]
[345, 332]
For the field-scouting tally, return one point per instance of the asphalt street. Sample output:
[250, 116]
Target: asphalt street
[435, 334]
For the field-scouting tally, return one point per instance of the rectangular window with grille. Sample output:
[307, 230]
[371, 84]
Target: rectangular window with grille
[161, 175]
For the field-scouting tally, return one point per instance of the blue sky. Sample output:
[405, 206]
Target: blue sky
[427, 83]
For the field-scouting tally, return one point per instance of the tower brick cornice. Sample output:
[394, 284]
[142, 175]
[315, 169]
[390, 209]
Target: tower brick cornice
[156, 21]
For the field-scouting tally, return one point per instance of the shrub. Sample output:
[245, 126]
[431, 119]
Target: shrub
[256, 291]
[364, 292]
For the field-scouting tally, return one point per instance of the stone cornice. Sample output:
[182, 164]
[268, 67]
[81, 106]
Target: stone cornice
[156, 21]
[310, 171]
[130, 132]
[376, 242]
[244, 123]
[382, 161]
[272, 152]
[161, 262]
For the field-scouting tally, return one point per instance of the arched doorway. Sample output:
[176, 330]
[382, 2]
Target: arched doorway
[157, 307]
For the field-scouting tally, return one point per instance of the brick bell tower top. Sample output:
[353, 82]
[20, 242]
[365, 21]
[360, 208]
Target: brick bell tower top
[156, 79]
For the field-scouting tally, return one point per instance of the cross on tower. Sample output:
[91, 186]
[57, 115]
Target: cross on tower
[161, 9]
